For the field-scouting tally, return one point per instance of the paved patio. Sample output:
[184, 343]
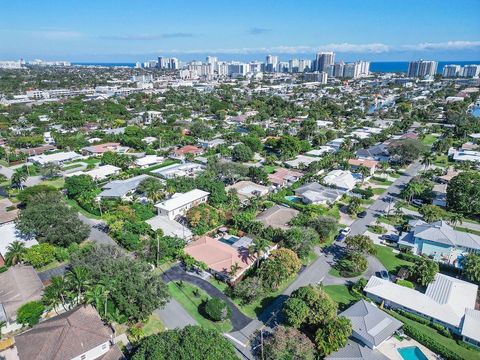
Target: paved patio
[390, 347]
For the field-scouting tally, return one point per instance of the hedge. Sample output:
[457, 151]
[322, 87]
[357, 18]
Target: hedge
[430, 343]
[405, 283]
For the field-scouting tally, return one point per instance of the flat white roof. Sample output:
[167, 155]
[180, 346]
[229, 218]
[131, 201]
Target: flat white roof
[446, 298]
[9, 234]
[179, 199]
[56, 157]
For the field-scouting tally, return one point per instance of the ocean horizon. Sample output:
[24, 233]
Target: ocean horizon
[375, 66]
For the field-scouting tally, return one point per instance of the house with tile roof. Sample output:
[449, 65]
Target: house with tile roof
[77, 334]
[277, 217]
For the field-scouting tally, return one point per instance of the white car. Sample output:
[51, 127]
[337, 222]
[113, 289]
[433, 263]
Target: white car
[345, 231]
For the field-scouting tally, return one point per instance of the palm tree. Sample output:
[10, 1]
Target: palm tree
[77, 278]
[427, 160]
[98, 296]
[234, 269]
[50, 170]
[2, 324]
[455, 218]
[258, 247]
[56, 293]
[15, 251]
[18, 178]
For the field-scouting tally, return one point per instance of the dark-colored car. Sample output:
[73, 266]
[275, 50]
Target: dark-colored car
[362, 214]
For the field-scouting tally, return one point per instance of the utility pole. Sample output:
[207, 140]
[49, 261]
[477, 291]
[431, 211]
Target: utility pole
[158, 247]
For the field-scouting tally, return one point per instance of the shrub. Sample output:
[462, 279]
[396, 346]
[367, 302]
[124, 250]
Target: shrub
[405, 283]
[40, 255]
[442, 330]
[29, 313]
[430, 343]
[413, 317]
[217, 309]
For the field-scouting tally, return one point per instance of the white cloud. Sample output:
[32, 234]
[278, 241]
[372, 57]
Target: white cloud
[448, 45]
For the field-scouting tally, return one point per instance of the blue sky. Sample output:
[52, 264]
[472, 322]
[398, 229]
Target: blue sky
[130, 30]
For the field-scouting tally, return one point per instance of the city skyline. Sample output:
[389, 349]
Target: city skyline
[117, 31]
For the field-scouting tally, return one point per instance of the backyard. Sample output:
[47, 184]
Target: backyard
[390, 260]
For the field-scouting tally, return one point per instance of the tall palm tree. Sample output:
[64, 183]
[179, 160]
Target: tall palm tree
[98, 296]
[427, 160]
[18, 178]
[258, 247]
[56, 293]
[234, 269]
[77, 278]
[455, 218]
[15, 251]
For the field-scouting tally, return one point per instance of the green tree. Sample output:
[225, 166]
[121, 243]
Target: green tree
[333, 335]
[191, 342]
[471, 268]
[27, 194]
[40, 255]
[79, 184]
[406, 150]
[279, 267]
[432, 213]
[242, 153]
[258, 248]
[354, 206]
[51, 220]
[360, 244]
[249, 289]
[425, 270]
[30, 313]
[288, 344]
[18, 178]
[78, 279]
[301, 240]
[325, 226]
[258, 175]
[463, 193]
[152, 188]
[15, 252]
[217, 309]
[50, 170]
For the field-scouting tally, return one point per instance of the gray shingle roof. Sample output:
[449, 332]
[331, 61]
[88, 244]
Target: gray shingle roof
[356, 351]
[370, 324]
[443, 233]
[119, 188]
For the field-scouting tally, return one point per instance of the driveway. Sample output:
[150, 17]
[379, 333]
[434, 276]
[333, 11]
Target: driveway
[175, 273]
[97, 236]
[173, 315]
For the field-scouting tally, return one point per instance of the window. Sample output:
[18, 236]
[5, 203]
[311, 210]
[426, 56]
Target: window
[104, 346]
[83, 357]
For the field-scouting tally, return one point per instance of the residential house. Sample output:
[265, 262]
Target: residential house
[120, 189]
[99, 173]
[464, 155]
[247, 189]
[55, 158]
[377, 152]
[370, 164]
[8, 211]
[170, 227]
[440, 241]
[148, 160]
[314, 193]
[439, 192]
[9, 234]
[220, 257]
[444, 302]
[79, 334]
[211, 144]
[186, 169]
[336, 143]
[39, 150]
[471, 327]
[180, 203]
[340, 179]
[18, 285]
[277, 217]
[301, 160]
[370, 328]
[100, 149]
[322, 150]
[283, 177]
[182, 152]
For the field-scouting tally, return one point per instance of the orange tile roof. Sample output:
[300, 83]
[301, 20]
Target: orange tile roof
[219, 256]
[363, 162]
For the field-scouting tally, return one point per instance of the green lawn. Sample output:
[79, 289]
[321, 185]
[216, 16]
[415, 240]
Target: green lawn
[269, 169]
[471, 231]
[334, 272]
[153, 325]
[340, 293]
[380, 182]
[368, 201]
[73, 166]
[191, 303]
[441, 160]
[388, 259]
[312, 256]
[89, 161]
[81, 210]
[56, 183]
[429, 139]
[464, 353]
[378, 191]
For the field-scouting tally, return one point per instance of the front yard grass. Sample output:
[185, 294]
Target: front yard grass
[269, 169]
[429, 139]
[153, 325]
[380, 182]
[191, 298]
[390, 260]
[81, 210]
[378, 191]
[340, 293]
[58, 183]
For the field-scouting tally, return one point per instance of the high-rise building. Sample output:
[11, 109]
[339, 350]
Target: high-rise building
[451, 70]
[271, 62]
[323, 60]
[422, 68]
[304, 65]
[471, 71]
[174, 64]
[316, 76]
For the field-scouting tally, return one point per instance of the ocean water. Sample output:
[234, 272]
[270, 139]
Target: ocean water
[375, 66]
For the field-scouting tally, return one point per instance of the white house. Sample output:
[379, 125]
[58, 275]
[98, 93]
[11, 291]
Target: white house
[148, 160]
[99, 173]
[55, 158]
[180, 203]
[341, 179]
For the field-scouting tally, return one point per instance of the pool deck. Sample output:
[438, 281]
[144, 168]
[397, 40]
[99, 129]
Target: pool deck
[389, 348]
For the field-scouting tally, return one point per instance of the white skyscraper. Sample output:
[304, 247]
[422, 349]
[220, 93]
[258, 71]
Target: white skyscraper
[271, 62]
[471, 71]
[451, 70]
[422, 68]
[323, 60]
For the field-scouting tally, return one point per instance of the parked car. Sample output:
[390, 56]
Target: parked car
[417, 202]
[345, 231]
[390, 237]
[362, 214]
[384, 275]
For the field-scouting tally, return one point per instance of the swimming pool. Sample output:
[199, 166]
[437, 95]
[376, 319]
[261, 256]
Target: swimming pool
[412, 353]
[293, 198]
[229, 239]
